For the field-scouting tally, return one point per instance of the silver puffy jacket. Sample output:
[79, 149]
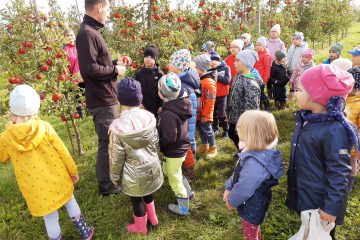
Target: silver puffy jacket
[134, 161]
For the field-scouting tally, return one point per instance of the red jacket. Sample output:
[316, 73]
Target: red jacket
[207, 99]
[72, 58]
[264, 65]
[230, 61]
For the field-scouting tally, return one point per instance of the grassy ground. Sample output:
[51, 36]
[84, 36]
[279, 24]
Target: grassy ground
[209, 217]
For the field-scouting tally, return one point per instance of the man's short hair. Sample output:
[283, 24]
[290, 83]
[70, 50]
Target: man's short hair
[89, 4]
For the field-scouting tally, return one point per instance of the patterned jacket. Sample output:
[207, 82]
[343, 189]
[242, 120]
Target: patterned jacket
[244, 95]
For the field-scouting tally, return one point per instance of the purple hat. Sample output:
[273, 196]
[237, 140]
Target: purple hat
[215, 56]
[129, 92]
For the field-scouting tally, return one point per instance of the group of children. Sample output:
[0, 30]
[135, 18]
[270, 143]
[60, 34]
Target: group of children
[157, 125]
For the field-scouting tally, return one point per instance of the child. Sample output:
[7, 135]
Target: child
[245, 92]
[206, 108]
[279, 77]
[149, 76]
[235, 47]
[173, 138]
[208, 47]
[190, 83]
[72, 57]
[319, 159]
[263, 65]
[274, 43]
[44, 169]
[258, 169]
[305, 63]
[296, 50]
[133, 154]
[222, 91]
[334, 52]
[353, 104]
[342, 63]
[246, 37]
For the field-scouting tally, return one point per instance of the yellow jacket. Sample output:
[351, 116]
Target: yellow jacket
[42, 165]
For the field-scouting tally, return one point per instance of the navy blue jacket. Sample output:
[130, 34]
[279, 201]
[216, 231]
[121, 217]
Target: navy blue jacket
[319, 167]
[250, 184]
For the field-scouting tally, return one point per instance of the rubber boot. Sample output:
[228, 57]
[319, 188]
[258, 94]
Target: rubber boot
[85, 231]
[277, 105]
[267, 105]
[189, 190]
[182, 208]
[202, 149]
[151, 213]
[212, 152]
[139, 225]
[282, 105]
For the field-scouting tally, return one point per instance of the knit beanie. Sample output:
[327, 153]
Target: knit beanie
[342, 63]
[337, 48]
[279, 55]
[276, 28]
[181, 59]
[262, 41]
[238, 43]
[215, 56]
[152, 51]
[202, 62]
[169, 86]
[208, 46]
[247, 36]
[309, 53]
[24, 101]
[299, 35]
[248, 58]
[129, 92]
[325, 81]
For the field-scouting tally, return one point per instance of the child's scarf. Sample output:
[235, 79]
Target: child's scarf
[335, 108]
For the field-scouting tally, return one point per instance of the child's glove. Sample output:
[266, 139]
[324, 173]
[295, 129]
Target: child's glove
[75, 179]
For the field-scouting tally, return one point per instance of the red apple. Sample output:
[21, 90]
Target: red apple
[21, 51]
[64, 118]
[134, 65]
[56, 97]
[49, 62]
[219, 14]
[42, 95]
[17, 80]
[10, 26]
[76, 116]
[154, 8]
[29, 45]
[179, 19]
[157, 17]
[44, 68]
[39, 76]
[201, 4]
[61, 77]
[166, 68]
[131, 24]
[117, 15]
[11, 81]
[59, 55]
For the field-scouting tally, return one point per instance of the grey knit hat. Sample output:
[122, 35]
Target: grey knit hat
[169, 86]
[337, 48]
[202, 62]
[262, 41]
[299, 35]
[279, 55]
[248, 58]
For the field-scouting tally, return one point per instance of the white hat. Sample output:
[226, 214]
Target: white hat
[342, 63]
[238, 42]
[276, 28]
[247, 36]
[24, 101]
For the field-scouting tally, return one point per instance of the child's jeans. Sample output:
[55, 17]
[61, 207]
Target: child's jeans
[172, 169]
[52, 220]
[251, 231]
[206, 133]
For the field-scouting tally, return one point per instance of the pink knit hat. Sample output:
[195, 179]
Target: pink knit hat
[309, 53]
[325, 81]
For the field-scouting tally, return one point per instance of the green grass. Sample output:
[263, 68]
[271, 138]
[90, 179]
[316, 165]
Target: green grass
[209, 218]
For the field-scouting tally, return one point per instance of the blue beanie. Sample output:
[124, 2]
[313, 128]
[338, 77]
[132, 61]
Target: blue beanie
[129, 92]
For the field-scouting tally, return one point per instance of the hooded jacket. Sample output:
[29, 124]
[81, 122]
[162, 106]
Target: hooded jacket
[173, 127]
[134, 153]
[263, 65]
[298, 71]
[279, 74]
[244, 95]
[208, 97]
[273, 45]
[250, 184]
[294, 55]
[72, 58]
[149, 79]
[230, 62]
[223, 80]
[42, 165]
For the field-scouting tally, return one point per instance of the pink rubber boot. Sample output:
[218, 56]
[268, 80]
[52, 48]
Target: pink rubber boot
[151, 213]
[139, 225]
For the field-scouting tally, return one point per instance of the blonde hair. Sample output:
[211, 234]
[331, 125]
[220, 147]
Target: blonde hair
[67, 31]
[13, 118]
[257, 129]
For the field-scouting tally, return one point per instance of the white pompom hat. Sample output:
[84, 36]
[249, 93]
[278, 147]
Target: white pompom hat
[24, 101]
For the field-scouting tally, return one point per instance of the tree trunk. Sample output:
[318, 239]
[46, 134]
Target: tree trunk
[322, 45]
[78, 10]
[329, 40]
[70, 137]
[149, 19]
[258, 17]
[313, 44]
[77, 137]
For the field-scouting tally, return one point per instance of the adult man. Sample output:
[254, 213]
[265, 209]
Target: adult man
[100, 74]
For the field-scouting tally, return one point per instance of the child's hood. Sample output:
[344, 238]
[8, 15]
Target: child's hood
[270, 159]
[135, 127]
[25, 136]
[191, 78]
[180, 106]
